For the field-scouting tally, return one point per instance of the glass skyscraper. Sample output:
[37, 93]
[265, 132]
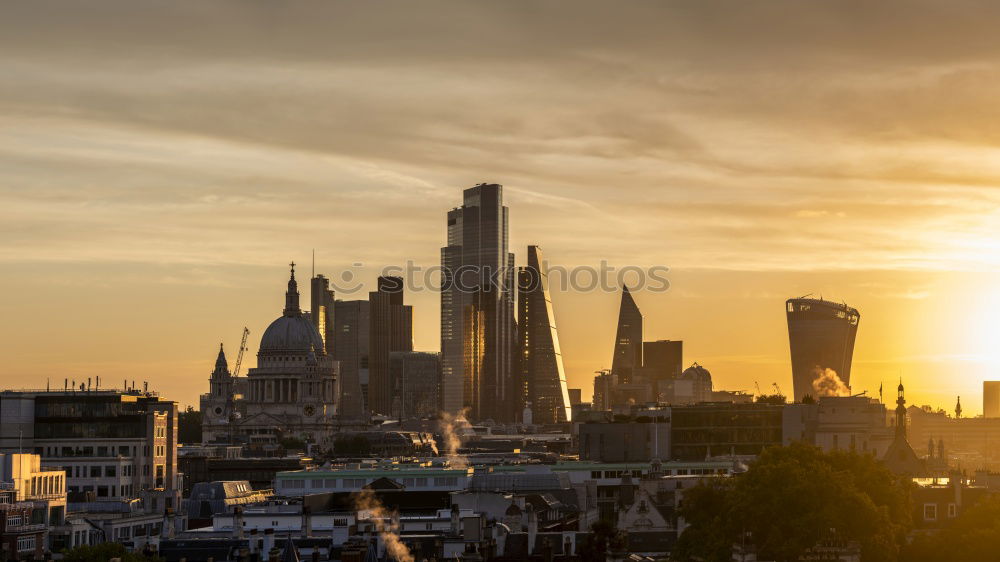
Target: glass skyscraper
[477, 308]
[627, 358]
[820, 336]
[542, 377]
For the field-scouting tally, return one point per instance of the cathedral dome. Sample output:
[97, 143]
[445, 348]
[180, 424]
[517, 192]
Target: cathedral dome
[292, 332]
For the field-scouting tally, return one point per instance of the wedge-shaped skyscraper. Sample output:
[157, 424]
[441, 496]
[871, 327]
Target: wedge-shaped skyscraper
[628, 340]
[542, 375]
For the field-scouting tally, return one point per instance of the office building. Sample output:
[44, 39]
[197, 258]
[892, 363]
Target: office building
[415, 377]
[821, 339]
[292, 390]
[662, 362]
[542, 376]
[36, 500]
[321, 310]
[477, 308]
[390, 328]
[627, 356]
[350, 350]
[991, 399]
[114, 446]
[604, 385]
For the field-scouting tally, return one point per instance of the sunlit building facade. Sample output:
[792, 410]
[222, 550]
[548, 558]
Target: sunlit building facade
[477, 308]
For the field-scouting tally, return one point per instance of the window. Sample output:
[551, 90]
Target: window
[14, 520]
[26, 544]
[952, 510]
[930, 512]
[95, 472]
[110, 471]
[595, 474]
[294, 484]
[331, 482]
[316, 483]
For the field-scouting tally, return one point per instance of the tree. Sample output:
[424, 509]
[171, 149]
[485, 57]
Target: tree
[603, 539]
[104, 552]
[793, 497]
[189, 426]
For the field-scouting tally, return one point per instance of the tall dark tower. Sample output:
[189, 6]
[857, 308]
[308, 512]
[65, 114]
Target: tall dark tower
[477, 308]
[390, 329]
[628, 340]
[820, 336]
[541, 366]
[350, 348]
[321, 310]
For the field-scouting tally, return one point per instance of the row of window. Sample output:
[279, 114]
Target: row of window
[99, 451]
[26, 544]
[931, 511]
[102, 471]
[355, 483]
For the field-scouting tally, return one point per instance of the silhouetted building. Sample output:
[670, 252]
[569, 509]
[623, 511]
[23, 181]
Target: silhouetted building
[350, 348]
[544, 388]
[321, 310]
[604, 384]
[218, 408]
[477, 308]
[991, 399]
[821, 336]
[415, 378]
[663, 361]
[390, 329]
[575, 396]
[694, 385]
[701, 431]
[628, 340]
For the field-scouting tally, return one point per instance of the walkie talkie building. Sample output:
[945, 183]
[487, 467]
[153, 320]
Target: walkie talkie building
[821, 336]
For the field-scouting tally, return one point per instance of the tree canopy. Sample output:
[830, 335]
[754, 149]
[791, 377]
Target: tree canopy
[793, 497]
[973, 537]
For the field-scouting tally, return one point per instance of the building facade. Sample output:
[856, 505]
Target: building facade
[415, 377]
[350, 350]
[390, 329]
[477, 308]
[820, 336]
[542, 378]
[321, 310]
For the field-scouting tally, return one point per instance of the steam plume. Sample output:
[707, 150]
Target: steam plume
[388, 532]
[449, 424]
[828, 383]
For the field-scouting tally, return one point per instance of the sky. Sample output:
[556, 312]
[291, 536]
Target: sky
[162, 162]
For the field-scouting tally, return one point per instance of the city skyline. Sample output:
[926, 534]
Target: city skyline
[153, 194]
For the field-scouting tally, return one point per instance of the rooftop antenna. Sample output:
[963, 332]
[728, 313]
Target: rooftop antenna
[314, 263]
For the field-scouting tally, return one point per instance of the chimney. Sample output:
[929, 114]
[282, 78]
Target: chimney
[307, 522]
[238, 522]
[532, 527]
[268, 546]
[168, 523]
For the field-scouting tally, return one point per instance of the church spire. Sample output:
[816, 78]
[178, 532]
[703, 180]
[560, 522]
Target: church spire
[292, 296]
[900, 411]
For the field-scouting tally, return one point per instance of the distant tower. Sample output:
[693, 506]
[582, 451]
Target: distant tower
[820, 336]
[628, 340]
[958, 407]
[900, 412]
[390, 328]
[322, 304]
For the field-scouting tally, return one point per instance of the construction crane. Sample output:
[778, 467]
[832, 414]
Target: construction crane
[777, 389]
[243, 347]
[759, 393]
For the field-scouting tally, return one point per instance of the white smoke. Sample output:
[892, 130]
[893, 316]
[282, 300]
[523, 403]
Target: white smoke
[389, 532]
[450, 424]
[828, 383]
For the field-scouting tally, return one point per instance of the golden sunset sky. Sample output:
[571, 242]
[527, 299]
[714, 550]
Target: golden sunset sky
[162, 162]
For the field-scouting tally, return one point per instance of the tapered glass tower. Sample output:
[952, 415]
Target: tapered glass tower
[541, 367]
[627, 357]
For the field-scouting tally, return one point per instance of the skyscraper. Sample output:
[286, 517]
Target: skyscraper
[542, 374]
[821, 339]
[350, 348]
[321, 310]
[390, 329]
[477, 308]
[628, 340]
